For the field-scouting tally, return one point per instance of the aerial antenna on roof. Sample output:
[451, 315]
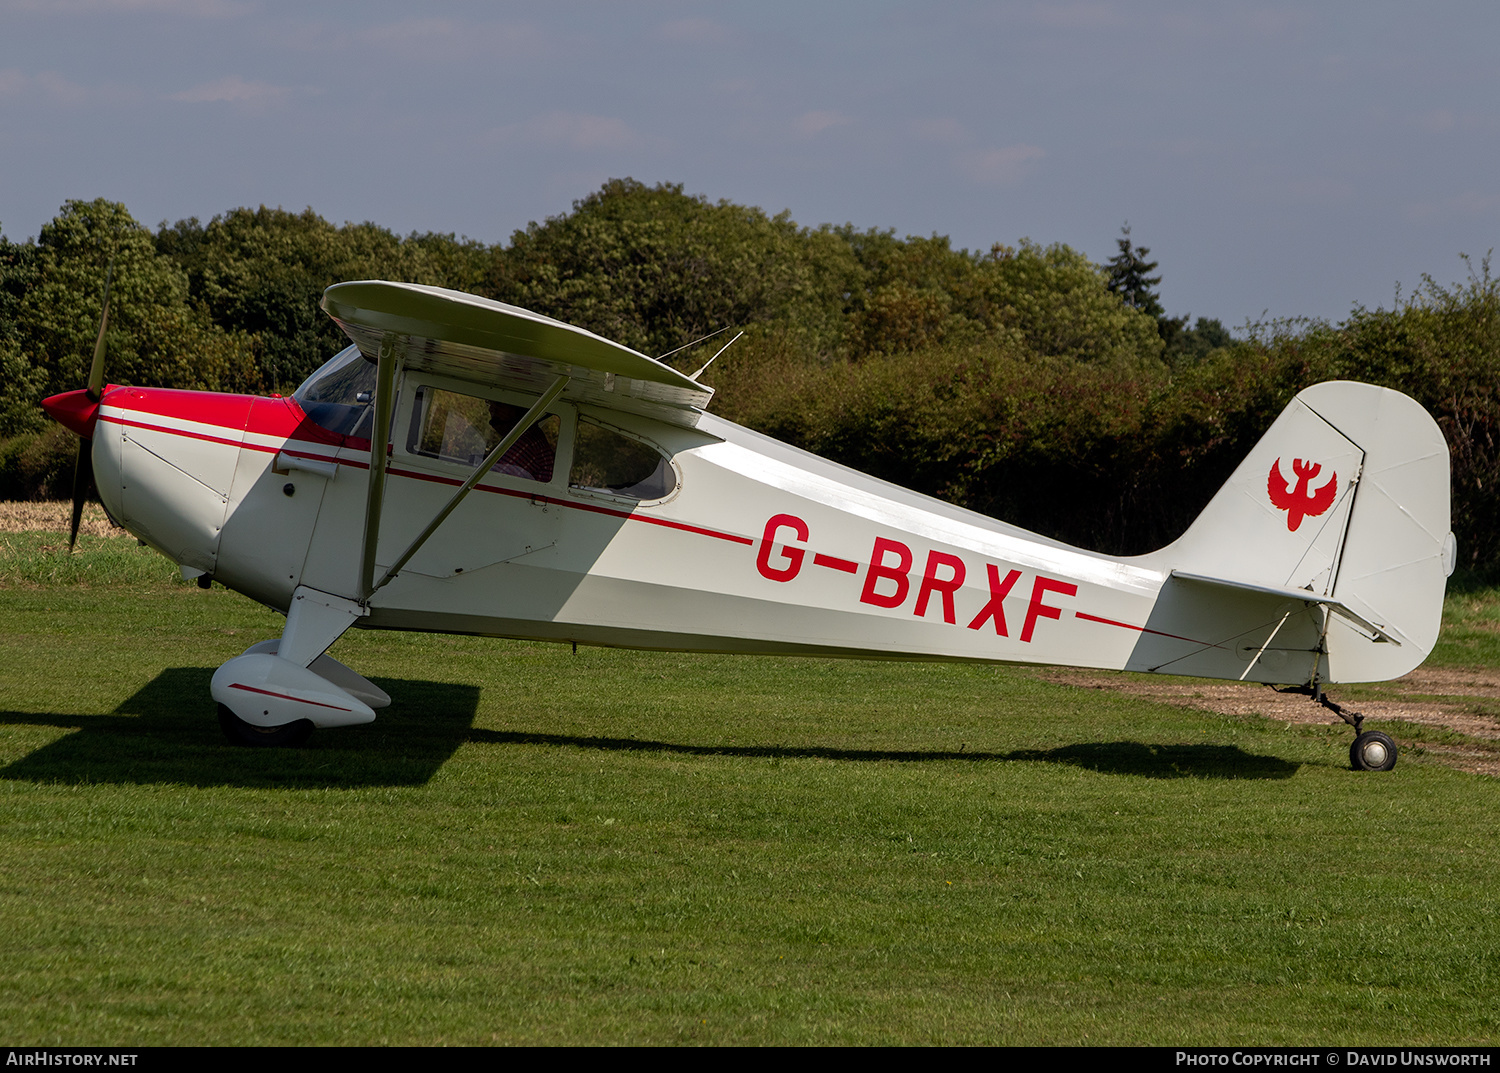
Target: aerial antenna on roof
[711, 360]
[695, 342]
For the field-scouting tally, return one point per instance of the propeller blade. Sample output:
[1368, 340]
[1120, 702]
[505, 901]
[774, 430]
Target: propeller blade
[83, 468]
[96, 370]
[83, 484]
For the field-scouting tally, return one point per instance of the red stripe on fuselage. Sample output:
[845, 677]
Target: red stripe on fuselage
[1143, 629]
[111, 419]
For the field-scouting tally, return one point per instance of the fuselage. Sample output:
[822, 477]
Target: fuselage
[617, 529]
[754, 547]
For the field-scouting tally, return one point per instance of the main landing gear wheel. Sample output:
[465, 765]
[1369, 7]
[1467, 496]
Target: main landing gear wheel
[240, 732]
[1372, 751]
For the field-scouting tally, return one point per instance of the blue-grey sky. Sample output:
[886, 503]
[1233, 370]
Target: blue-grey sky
[1290, 158]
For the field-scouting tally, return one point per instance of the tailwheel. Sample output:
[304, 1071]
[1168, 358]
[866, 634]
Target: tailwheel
[240, 732]
[1372, 751]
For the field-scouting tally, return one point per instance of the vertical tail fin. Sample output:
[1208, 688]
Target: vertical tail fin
[1345, 498]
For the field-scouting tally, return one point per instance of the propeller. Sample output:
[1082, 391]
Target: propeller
[83, 470]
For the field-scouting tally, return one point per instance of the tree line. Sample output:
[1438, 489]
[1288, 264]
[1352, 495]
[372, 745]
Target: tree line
[1023, 381]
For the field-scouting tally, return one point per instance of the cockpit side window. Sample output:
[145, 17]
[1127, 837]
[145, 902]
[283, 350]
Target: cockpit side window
[462, 428]
[608, 461]
[340, 395]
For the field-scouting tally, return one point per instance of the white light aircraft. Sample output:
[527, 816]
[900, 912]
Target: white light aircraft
[534, 480]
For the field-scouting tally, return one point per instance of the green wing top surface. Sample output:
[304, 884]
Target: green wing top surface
[489, 342]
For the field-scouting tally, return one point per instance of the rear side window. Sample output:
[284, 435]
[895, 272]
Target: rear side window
[460, 428]
[608, 461]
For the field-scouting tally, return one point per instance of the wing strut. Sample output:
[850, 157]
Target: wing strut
[380, 435]
[530, 418]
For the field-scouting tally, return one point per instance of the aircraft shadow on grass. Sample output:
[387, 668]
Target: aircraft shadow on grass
[165, 733]
[1109, 757]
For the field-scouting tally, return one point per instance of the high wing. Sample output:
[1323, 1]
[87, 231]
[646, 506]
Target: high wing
[430, 329]
[481, 340]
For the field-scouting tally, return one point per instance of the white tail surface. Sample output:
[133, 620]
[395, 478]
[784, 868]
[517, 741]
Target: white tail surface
[1346, 498]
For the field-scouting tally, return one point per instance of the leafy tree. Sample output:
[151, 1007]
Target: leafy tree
[916, 293]
[1186, 345]
[1059, 304]
[911, 293]
[17, 275]
[155, 336]
[262, 272]
[460, 263]
[655, 268]
[18, 271]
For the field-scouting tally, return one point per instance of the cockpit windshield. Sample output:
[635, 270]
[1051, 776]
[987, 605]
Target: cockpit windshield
[340, 396]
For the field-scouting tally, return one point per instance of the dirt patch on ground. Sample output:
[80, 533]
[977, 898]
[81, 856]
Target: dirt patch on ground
[49, 517]
[1453, 681]
[1424, 700]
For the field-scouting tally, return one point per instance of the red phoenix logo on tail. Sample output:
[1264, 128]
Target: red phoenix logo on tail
[1297, 503]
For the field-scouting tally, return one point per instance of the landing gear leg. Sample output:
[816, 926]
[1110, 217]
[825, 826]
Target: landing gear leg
[1372, 750]
[277, 692]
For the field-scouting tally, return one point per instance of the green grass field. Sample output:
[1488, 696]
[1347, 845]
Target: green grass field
[533, 846]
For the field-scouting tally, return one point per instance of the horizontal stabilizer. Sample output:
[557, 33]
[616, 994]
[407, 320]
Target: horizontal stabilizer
[1305, 595]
